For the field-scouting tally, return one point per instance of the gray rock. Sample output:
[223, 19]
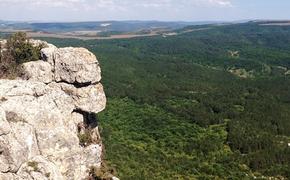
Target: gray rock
[48, 54]
[4, 125]
[39, 168]
[38, 71]
[40, 116]
[43, 44]
[17, 146]
[9, 176]
[39, 119]
[90, 99]
[76, 66]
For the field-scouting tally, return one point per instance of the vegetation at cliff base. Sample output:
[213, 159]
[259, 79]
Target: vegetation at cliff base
[206, 104]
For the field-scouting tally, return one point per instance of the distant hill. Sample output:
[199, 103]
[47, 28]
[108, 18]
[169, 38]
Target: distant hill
[120, 26]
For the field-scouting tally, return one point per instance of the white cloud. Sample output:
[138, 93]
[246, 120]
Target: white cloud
[58, 10]
[120, 3]
[47, 3]
[223, 3]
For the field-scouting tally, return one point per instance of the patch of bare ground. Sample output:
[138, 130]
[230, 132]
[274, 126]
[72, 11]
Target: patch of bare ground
[70, 36]
[79, 35]
[93, 35]
[192, 30]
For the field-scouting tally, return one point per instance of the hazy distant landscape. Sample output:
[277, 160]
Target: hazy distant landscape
[112, 29]
[97, 30]
[91, 29]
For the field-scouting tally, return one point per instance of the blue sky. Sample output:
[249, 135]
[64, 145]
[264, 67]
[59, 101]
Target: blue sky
[166, 10]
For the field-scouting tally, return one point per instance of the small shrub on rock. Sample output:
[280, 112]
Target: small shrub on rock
[102, 173]
[21, 49]
[33, 165]
[17, 50]
[85, 138]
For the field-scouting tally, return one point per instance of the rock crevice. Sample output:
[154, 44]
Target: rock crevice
[45, 115]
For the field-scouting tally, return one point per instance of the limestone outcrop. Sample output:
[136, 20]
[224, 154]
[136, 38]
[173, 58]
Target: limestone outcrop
[48, 126]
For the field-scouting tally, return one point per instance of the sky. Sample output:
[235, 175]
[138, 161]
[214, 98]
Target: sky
[163, 10]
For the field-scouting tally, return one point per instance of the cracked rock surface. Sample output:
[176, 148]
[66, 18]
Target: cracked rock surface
[40, 116]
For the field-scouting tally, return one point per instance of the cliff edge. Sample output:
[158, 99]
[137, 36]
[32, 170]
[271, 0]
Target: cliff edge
[48, 125]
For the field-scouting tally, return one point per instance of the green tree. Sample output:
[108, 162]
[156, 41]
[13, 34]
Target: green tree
[17, 50]
[21, 49]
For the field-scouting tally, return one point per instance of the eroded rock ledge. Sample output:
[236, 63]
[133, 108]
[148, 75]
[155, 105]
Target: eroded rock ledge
[43, 114]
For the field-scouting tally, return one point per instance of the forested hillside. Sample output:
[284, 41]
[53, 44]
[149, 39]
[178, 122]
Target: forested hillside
[213, 103]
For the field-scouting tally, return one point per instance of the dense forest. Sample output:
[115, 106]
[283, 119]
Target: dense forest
[212, 102]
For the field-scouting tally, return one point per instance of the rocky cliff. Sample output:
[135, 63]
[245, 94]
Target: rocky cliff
[48, 126]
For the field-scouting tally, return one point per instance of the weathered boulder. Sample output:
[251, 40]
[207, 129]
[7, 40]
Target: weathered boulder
[48, 54]
[72, 65]
[17, 146]
[88, 99]
[40, 43]
[37, 119]
[38, 71]
[76, 66]
[39, 168]
[45, 116]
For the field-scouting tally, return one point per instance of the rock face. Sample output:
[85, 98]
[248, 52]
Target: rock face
[46, 117]
[84, 69]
